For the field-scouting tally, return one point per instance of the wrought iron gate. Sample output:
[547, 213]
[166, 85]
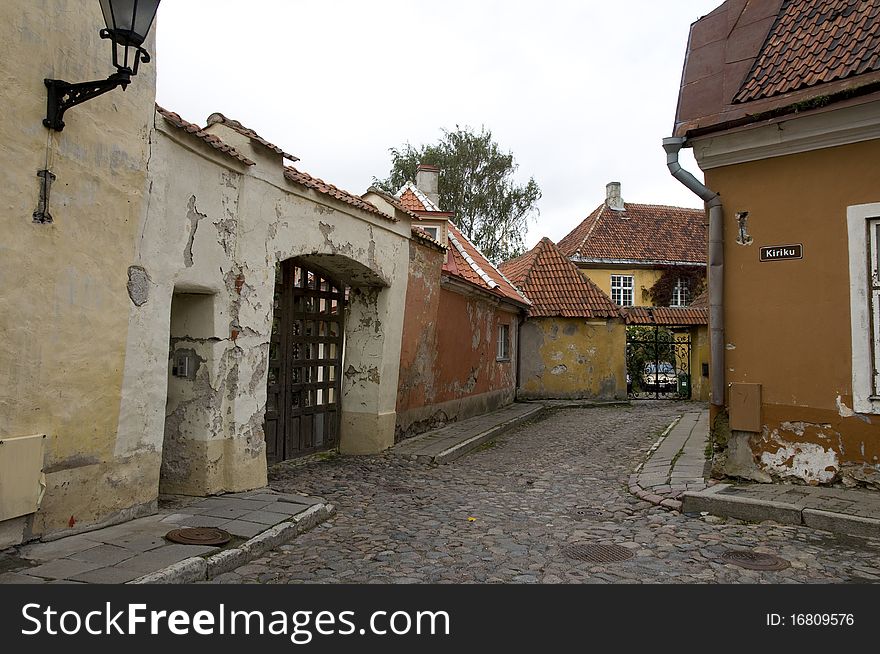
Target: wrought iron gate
[305, 359]
[658, 363]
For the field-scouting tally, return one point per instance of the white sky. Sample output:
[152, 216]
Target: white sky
[581, 92]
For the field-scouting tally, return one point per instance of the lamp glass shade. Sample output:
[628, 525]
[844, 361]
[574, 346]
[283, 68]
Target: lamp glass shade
[129, 21]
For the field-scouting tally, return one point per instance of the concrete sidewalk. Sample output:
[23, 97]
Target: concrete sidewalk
[675, 475]
[453, 441]
[137, 551]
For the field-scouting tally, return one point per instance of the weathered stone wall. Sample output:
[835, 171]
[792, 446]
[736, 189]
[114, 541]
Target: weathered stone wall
[448, 366]
[572, 358]
[64, 305]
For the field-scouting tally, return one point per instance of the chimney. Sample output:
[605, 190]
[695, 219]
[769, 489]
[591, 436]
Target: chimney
[612, 197]
[428, 182]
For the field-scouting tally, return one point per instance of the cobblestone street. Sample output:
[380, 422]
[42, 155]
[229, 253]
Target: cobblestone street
[505, 512]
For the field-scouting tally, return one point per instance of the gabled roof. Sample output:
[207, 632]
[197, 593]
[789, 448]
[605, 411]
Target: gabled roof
[752, 60]
[667, 316]
[643, 233]
[412, 197]
[211, 139]
[390, 199]
[555, 286]
[465, 262]
[300, 177]
[216, 118]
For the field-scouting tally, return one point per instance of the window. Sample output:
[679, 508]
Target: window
[503, 353]
[680, 294]
[863, 226]
[433, 232]
[622, 290]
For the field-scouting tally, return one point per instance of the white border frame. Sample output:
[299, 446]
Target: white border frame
[857, 216]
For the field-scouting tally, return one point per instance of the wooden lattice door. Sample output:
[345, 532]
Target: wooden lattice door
[305, 359]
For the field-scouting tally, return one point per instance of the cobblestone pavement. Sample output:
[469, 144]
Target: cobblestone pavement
[504, 513]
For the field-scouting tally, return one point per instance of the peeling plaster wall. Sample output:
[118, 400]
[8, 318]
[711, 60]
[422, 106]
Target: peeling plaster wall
[216, 233]
[64, 304]
[787, 323]
[448, 366]
[572, 358]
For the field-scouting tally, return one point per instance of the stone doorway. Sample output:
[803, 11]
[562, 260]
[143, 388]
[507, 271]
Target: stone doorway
[305, 358]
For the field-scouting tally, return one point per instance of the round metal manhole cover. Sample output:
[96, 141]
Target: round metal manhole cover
[754, 560]
[592, 553]
[199, 536]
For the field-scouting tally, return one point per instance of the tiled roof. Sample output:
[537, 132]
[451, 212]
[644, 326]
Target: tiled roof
[421, 235]
[755, 60]
[413, 199]
[321, 186]
[815, 42]
[555, 286]
[215, 118]
[668, 316]
[647, 233]
[466, 262]
[211, 139]
[390, 199]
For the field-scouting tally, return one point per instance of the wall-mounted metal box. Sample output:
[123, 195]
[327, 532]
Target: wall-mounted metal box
[21, 475]
[744, 407]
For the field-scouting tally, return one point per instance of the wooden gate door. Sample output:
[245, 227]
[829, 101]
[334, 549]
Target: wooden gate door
[305, 359]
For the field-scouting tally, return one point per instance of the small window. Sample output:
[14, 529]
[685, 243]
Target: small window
[503, 343]
[622, 290]
[433, 232]
[680, 294]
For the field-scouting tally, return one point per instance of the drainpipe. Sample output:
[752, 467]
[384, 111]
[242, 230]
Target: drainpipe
[673, 145]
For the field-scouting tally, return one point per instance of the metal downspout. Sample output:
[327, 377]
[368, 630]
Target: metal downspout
[673, 145]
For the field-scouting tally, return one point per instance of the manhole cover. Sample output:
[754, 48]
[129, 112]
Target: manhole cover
[199, 536]
[586, 512]
[754, 560]
[597, 553]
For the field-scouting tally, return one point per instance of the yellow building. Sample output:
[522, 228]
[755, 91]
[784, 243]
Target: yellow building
[781, 106]
[626, 249]
[572, 342]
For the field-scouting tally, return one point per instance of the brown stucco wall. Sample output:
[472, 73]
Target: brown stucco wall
[448, 368]
[788, 322]
[572, 358]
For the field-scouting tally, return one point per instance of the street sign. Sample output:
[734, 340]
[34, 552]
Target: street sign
[782, 252]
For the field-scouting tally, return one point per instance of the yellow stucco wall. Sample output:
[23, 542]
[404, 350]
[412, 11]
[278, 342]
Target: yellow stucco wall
[572, 358]
[700, 385]
[64, 306]
[643, 280]
[787, 323]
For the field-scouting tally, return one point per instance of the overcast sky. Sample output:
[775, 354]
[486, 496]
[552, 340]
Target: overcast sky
[581, 92]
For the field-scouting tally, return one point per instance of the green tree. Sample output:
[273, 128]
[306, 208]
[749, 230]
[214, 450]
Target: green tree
[476, 182]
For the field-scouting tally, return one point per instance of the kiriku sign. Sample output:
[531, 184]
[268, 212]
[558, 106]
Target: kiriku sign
[782, 252]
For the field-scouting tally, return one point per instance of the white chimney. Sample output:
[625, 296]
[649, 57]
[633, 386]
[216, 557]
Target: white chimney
[428, 182]
[612, 197]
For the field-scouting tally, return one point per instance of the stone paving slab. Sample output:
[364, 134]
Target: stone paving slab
[453, 441]
[850, 511]
[129, 551]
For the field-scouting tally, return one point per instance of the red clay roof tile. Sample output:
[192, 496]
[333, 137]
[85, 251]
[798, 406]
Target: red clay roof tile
[321, 186]
[642, 233]
[215, 118]
[211, 139]
[555, 286]
[669, 316]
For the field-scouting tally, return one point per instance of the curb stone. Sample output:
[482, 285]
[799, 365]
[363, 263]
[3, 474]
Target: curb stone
[198, 568]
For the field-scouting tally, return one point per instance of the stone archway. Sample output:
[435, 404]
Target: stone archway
[326, 359]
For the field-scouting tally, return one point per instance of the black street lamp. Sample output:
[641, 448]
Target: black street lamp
[128, 23]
